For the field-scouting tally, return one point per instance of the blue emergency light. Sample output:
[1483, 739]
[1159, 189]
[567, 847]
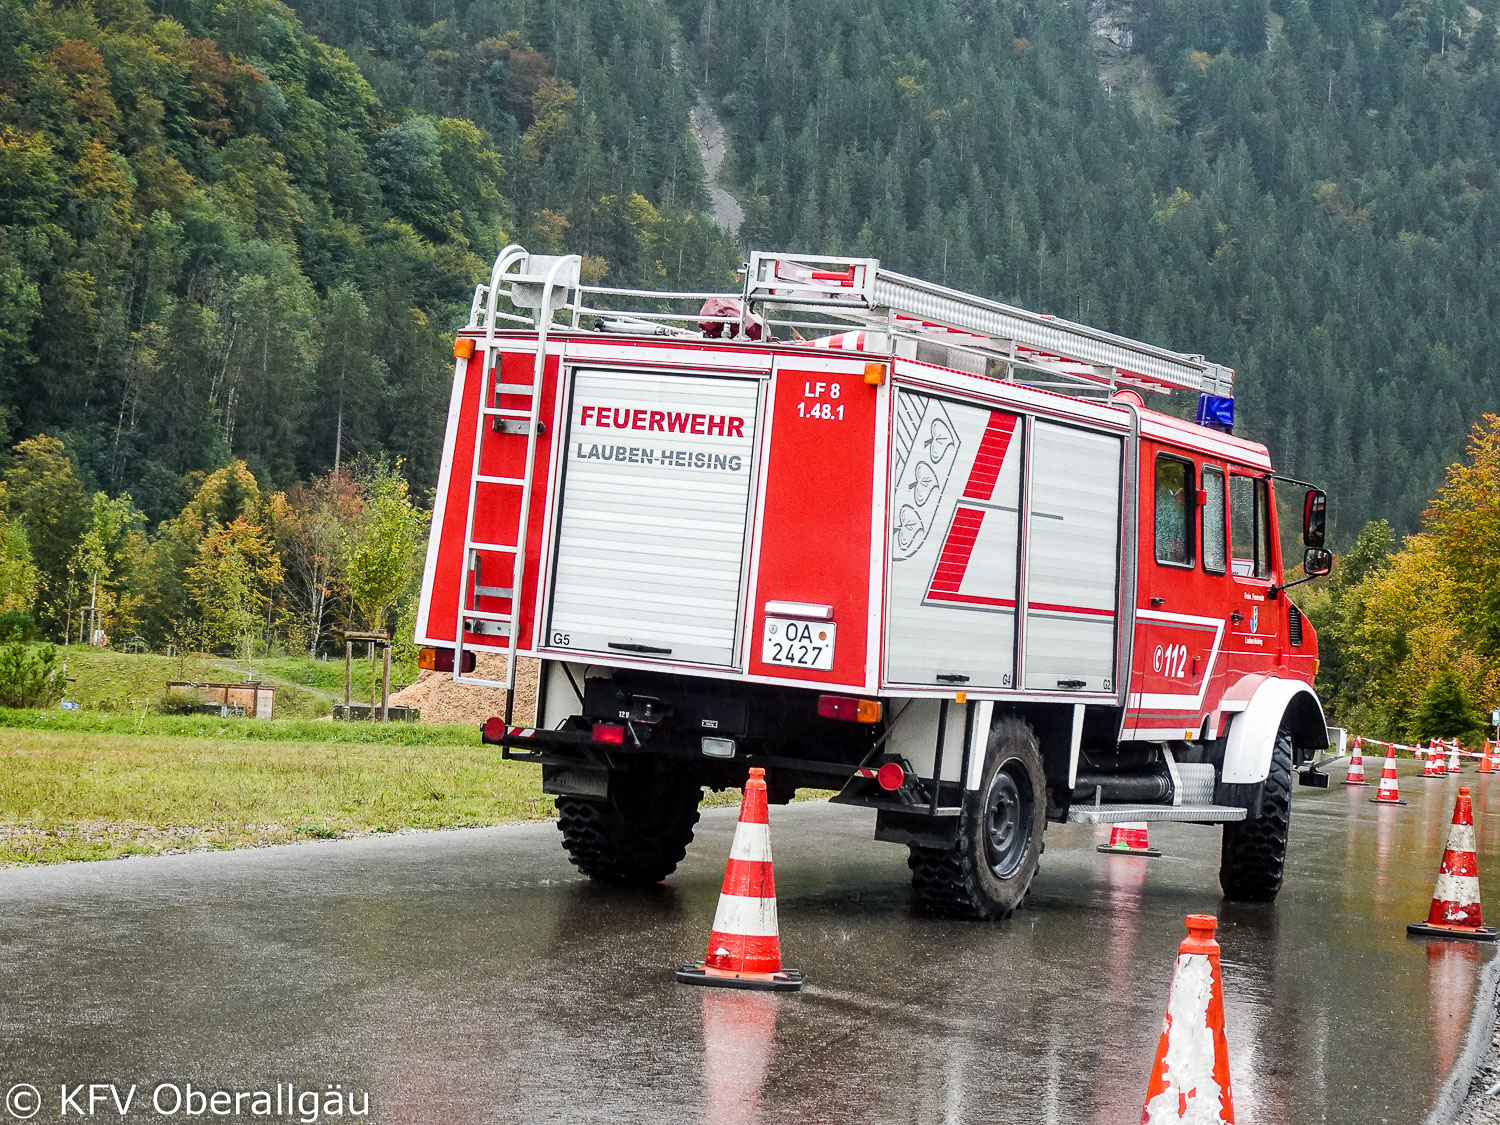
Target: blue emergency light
[1216, 412]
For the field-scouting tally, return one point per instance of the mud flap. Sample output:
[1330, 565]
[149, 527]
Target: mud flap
[575, 781]
[921, 829]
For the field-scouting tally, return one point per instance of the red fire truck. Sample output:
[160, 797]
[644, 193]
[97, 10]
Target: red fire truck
[877, 536]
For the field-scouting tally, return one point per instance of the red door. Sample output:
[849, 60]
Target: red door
[1180, 621]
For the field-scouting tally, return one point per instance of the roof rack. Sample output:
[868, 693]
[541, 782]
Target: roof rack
[894, 312]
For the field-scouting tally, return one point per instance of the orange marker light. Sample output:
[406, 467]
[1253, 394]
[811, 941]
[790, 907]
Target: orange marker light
[463, 348]
[874, 374]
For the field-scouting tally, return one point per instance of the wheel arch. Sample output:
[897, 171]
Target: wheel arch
[1276, 703]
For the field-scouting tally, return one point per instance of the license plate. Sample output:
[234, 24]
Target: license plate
[798, 644]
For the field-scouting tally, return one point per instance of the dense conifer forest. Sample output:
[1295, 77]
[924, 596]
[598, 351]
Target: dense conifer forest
[236, 239]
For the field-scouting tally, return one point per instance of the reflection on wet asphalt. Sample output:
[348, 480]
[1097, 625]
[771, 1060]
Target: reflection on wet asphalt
[465, 977]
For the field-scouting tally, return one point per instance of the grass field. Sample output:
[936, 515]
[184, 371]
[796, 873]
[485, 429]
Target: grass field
[76, 785]
[122, 682]
[78, 794]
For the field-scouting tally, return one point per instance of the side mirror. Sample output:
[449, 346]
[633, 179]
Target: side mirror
[1317, 561]
[1314, 517]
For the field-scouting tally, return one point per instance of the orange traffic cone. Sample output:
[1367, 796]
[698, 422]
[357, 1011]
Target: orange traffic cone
[1356, 774]
[1455, 909]
[1131, 838]
[1389, 792]
[1454, 765]
[744, 949]
[1485, 766]
[1434, 764]
[1190, 1081]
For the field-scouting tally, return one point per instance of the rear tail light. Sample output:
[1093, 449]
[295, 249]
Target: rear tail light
[849, 710]
[441, 660]
[493, 730]
[890, 777]
[609, 732]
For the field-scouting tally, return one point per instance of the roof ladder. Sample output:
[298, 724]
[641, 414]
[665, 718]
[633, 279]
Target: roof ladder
[859, 289]
[539, 283]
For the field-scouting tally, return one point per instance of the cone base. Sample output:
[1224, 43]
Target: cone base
[1347, 782]
[787, 980]
[1148, 853]
[1460, 933]
[1378, 801]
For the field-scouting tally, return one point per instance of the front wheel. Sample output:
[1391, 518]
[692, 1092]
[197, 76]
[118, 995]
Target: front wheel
[1252, 864]
[987, 870]
[638, 834]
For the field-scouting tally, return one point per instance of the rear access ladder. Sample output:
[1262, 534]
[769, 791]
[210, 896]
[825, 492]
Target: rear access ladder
[540, 283]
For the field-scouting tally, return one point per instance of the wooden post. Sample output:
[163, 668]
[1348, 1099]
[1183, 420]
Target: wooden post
[385, 690]
[374, 687]
[348, 673]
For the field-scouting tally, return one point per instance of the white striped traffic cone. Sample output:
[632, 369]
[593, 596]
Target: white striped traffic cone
[1455, 909]
[1190, 1081]
[1389, 792]
[1454, 765]
[744, 949]
[1433, 767]
[1130, 838]
[1356, 774]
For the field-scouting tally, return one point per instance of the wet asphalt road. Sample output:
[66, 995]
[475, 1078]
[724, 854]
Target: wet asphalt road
[472, 976]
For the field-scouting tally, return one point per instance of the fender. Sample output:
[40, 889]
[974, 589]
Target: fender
[1274, 703]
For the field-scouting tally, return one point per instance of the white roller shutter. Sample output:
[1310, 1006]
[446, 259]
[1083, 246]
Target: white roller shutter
[951, 592]
[1073, 564]
[652, 526]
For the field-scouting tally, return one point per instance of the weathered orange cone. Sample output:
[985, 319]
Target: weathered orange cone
[1190, 1081]
[1130, 838]
[1455, 909]
[1389, 792]
[1433, 767]
[1454, 765]
[1356, 774]
[1485, 765]
[744, 949]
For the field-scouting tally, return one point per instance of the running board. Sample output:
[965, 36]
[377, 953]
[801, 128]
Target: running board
[1116, 814]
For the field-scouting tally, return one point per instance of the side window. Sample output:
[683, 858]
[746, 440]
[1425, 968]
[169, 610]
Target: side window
[1215, 549]
[1174, 510]
[1250, 526]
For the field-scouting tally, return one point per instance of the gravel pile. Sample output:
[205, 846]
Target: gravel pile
[440, 700]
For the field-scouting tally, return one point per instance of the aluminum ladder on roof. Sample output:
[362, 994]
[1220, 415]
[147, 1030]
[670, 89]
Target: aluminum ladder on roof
[858, 288]
[535, 282]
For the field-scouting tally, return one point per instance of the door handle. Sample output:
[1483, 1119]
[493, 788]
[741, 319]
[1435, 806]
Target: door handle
[1236, 617]
[1158, 601]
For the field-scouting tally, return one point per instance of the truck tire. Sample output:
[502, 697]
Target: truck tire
[1253, 861]
[987, 870]
[638, 834]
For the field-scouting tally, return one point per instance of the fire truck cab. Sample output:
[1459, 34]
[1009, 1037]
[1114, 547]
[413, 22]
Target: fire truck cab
[920, 548]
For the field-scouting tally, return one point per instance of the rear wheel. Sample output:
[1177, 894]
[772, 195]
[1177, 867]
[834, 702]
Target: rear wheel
[1253, 861]
[638, 834]
[987, 870]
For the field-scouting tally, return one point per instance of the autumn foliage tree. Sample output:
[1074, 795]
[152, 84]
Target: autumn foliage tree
[1465, 519]
[1410, 640]
[232, 582]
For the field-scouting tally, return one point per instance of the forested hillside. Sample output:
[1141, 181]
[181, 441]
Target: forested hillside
[219, 239]
[235, 238]
[1306, 191]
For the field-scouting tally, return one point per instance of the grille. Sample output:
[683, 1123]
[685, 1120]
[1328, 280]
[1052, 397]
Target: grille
[1294, 625]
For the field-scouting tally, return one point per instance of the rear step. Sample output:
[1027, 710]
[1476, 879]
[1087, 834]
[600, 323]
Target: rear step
[1115, 814]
